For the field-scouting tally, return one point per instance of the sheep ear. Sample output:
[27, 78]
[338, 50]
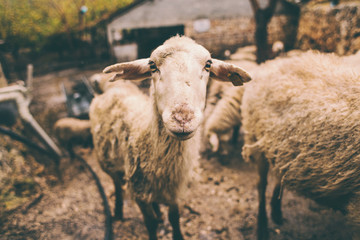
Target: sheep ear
[227, 72]
[134, 70]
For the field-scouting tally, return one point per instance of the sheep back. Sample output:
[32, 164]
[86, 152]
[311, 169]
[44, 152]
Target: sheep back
[303, 114]
[226, 113]
[73, 130]
[100, 82]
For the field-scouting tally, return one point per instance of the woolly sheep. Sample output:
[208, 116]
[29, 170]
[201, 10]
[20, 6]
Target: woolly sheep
[301, 117]
[225, 117]
[353, 60]
[73, 131]
[222, 114]
[100, 82]
[215, 92]
[153, 142]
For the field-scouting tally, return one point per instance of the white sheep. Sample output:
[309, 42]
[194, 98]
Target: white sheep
[100, 82]
[224, 118]
[71, 132]
[222, 114]
[153, 142]
[301, 116]
[215, 92]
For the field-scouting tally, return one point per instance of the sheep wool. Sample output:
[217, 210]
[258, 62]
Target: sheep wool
[125, 135]
[73, 131]
[303, 114]
[153, 142]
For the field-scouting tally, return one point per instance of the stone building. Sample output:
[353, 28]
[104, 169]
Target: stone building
[217, 25]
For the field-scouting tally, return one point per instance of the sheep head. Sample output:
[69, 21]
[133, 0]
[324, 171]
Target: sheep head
[180, 70]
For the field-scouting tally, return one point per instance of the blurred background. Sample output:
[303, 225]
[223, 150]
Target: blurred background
[54, 35]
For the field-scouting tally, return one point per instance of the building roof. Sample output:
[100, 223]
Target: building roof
[157, 13]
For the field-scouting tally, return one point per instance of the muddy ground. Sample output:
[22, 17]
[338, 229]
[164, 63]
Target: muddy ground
[221, 205]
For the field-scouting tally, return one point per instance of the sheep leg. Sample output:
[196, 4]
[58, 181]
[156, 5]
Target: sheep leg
[70, 149]
[119, 201]
[263, 168]
[157, 211]
[276, 213]
[174, 218]
[150, 219]
[235, 135]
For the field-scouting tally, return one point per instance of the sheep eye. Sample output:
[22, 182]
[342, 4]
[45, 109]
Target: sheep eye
[153, 67]
[208, 65]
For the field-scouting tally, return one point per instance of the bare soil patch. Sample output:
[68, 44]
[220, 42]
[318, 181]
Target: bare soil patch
[221, 205]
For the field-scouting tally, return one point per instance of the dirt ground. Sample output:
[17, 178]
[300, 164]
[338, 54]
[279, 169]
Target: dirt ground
[221, 205]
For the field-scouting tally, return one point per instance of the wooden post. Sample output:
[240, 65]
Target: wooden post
[29, 77]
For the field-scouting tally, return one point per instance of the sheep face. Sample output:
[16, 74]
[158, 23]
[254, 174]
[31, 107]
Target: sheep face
[179, 91]
[180, 70]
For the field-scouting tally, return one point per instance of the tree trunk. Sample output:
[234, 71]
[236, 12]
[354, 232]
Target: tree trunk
[261, 36]
[262, 19]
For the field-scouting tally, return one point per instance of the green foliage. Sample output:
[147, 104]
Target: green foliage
[27, 23]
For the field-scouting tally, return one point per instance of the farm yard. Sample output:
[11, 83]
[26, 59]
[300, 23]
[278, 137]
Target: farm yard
[221, 204]
[295, 125]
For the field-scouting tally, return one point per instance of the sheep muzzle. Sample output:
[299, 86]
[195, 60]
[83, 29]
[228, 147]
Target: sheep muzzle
[182, 118]
[183, 114]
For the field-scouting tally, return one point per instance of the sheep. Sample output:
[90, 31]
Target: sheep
[215, 92]
[73, 131]
[301, 117]
[152, 142]
[353, 60]
[224, 118]
[100, 82]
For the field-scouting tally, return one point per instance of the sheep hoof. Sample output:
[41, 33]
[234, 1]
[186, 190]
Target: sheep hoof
[276, 213]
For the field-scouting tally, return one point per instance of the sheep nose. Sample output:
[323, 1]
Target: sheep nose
[181, 118]
[183, 114]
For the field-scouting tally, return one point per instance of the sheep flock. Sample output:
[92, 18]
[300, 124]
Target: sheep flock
[299, 118]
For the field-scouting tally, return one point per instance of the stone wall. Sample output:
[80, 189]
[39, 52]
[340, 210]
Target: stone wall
[223, 34]
[321, 27]
[230, 34]
[330, 29]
